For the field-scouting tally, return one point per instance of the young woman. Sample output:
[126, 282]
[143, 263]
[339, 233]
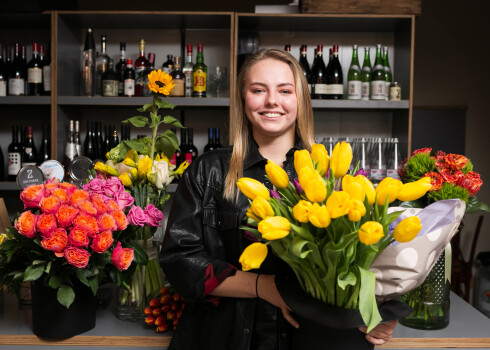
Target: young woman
[227, 308]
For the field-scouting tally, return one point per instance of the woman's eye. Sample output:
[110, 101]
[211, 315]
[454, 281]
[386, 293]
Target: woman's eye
[257, 91]
[286, 92]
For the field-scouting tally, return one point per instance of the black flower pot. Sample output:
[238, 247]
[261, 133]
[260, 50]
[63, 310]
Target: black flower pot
[50, 319]
[323, 325]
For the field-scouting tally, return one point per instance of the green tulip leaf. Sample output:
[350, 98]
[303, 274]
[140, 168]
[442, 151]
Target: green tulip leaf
[367, 299]
[346, 279]
[297, 247]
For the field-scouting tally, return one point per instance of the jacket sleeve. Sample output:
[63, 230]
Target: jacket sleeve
[184, 258]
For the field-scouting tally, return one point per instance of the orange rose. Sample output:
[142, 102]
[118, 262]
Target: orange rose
[102, 242]
[46, 224]
[50, 205]
[120, 218]
[87, 223]
[61, 194]
[56, 242]
[77, 257]
[32, 195]
[86, 207]
[112, 205]
[66, 214]
[69, 188]
[26, 224]
[122, 257]
[99, 204]
[79, 196]
[78, 237]
[106, 222]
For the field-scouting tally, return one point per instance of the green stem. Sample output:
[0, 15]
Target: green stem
[154, 109]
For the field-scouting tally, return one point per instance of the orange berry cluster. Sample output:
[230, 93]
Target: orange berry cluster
[164, 312]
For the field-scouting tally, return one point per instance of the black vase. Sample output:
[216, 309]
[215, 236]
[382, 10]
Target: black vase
[50, 319]
[326, 326]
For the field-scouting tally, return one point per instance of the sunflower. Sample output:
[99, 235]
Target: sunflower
[160, 82]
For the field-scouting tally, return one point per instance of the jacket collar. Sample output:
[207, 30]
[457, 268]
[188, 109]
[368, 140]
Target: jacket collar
[254, 157]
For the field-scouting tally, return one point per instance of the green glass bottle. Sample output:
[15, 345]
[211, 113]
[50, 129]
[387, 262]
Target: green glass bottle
[378, 82]
[354, 83]
[366, 75]
[388, 74]
[199, 75]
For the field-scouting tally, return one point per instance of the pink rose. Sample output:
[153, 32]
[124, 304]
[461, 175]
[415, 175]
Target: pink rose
[137, 216]
[102, 242]
[26, 224]
[32, 195]
[124, 200]
[113, 186]
[77, 257]
[46, 224]
[122, 257]
[95, 186]
[154, 215]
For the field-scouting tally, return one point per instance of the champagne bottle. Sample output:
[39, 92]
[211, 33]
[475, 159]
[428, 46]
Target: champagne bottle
[129, 79]
[29, 156]
[88, 65]
[199, 74]
[303, 61]
[45, 149]
[35, 73]
[335, 77]
[378, 82]
[210, 145]
[388, 74]
[14, 155]
[114, 139]
[178, 78]
[354, 84]
[366, 75]
[121, 67]
[319, 77]
[70, 149]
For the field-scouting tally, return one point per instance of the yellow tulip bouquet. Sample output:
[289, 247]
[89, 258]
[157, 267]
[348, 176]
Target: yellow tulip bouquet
[328, 226]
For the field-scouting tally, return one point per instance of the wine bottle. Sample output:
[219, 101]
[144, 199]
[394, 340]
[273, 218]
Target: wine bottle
[199, 74]
[88, 65]
[190, 152]
[378, 82]
[303, 61]
[45, 51]
[14, 155]
[102, 64]
[2, 166]
[107, 139]
[110, 82]
[140, 68]
[125, 132]
[24, 66]
[217, 142]
[16, 85]
[210, 145]
[100, 141]
[45, 149]
[388, 74]
[89, 144]
[287, 48]
[114, 139]
[366, 75]
[175, 160]
[178, 78]
[29, 156]
[187, 70]
[335, 77]
[129, 79]
[354, 84]
[70, 149]
[183, 144]
[3, 78]
[35, 73]
[151, 67]
[23, 140]
[168, 65]
[121, 67]
[78, 143]
[319, 77]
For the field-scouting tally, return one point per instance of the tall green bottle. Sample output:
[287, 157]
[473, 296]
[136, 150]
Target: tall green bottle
[354, 83]
[199, 74]
[388, 74]
[378, 82]
[366, 75]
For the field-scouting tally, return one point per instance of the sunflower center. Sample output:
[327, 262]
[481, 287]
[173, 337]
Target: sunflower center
[160, 84]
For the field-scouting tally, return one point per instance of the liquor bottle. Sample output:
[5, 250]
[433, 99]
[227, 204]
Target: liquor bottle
[128, 78]
[210, 145]
[183, 144]
[46, 58]
[388, 74]
[354, 83]
[102, 64]
[319, 77]
[125, 132]
[287, 48]
[16, 85]
[114, 139]
[335, 77]
[29, 156]
[70, 149]
[107, 139]
[178, 78]
[88, 65]
[217, 142]
[378, 82]
[140, 68]
[24, 66]
[99, 140]
[168, 65]
[187, 70]
[89, 143]
[121, 67]
[151, 61]
[3, 79]
[35, 73]
[78, 143]
[199, 74]
[14, 155]
[190, 152]
[366, 75]
[45, 149]
[175, 160]
[110, 82]
[151, 67]
[303, 61]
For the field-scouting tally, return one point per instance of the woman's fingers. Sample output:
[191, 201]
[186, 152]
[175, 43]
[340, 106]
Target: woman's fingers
[289, 317]
[381, 333]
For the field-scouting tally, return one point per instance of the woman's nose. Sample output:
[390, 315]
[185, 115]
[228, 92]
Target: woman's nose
[271, 99]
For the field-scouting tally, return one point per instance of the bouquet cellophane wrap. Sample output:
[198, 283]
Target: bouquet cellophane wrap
[403, 267]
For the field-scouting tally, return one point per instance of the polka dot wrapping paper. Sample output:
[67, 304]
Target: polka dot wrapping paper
[403, 267]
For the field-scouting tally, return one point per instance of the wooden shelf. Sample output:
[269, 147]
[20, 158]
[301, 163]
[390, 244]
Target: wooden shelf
[140, 101]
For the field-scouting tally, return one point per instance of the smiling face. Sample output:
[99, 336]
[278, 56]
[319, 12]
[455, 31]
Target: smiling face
[270, 99]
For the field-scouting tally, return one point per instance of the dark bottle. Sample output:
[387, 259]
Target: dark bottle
[45, 149]
[16, 85]
[89, 143]
[210, 145]
[217, 141]
[78, 143]
[88, 65]
[70, 150]
[107, 139]
[176, 156]
[121, 67]
[168, 65]
[114, 138]
[99, 141]
[335, 77]
[46, 64]
[191, 152]
[3, 77]
[287, 48]
[125, 132]
[35, 73]
[151, 61]
[29, 156]
[128, 79]
[140, 70]
[24, 65]
[102, 64]
[183, 144]
[110, 82]
[23, 139]
[2, 166]
[319, 78]
[303, 61]
[179, 80]
[199, 74]
[15, 155]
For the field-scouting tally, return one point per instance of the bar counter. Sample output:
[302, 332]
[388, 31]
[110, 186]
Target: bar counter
[468, 329]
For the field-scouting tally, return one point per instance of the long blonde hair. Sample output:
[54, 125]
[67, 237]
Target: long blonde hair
[240, 129]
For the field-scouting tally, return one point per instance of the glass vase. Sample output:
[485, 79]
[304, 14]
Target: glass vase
[430, 301]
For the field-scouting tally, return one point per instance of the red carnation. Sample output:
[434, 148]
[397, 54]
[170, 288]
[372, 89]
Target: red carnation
[436, 180]
[421, 151]
[471, 182]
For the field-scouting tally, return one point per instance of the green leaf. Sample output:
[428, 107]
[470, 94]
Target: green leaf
[346, 279]
[93, 283]
[367, 299]
[140, 256]
[138, 121]
[474, 205]
[136, 145]
[297, 247]
[147, 107]
[32, 273]
[168, 119]
[164, 104]
[166, 144]
[66, 295]
[155, 120]
[55, 282]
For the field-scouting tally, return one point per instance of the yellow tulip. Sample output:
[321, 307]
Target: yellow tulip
[144, 166]
[252, 188]
[370, 232]
[253, 256]
[261, 207]
[277, 175]
[341, 159]
[125, 179]
[305, 174]
[338, 204]
[129, 162]
[320, 156]
[388, 188]
[414, 190]
[274, 227]
[407, 229]
[302, 159]
[251, 215]
[319, 216]
[368, 188]
[315, 189]
[357, 210]
[301, 211]
[354, 188]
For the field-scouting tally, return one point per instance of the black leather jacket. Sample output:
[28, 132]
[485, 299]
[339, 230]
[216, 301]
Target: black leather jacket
[201, 248]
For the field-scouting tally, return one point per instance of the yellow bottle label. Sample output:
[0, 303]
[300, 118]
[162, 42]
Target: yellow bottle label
[199, 81]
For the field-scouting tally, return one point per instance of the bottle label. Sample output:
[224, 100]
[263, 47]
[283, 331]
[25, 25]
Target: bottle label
[14, 163]
[320, 89]
[395, 93]
[335, 89]
[354, 90]
[188, 84]
[34, 75]
[188, 157]
[3, 88]
[199, 77]
[139, 77]
[110, 87]
[387, 90]
[47, 78]
[178, 89]
[71, 150]
[378, 89]
[366, 90]
[16, 87]
[129, 87]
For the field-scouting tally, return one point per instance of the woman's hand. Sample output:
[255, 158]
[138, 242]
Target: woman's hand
[381, 333]
[267, 290]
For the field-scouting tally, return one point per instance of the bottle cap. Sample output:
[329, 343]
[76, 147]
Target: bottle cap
[189, 48]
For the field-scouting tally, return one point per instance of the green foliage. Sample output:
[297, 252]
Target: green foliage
[448, 191]
[418, 165]
[468, 167]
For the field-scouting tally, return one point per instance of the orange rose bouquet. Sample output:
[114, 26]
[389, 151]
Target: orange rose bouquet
[67, 233]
